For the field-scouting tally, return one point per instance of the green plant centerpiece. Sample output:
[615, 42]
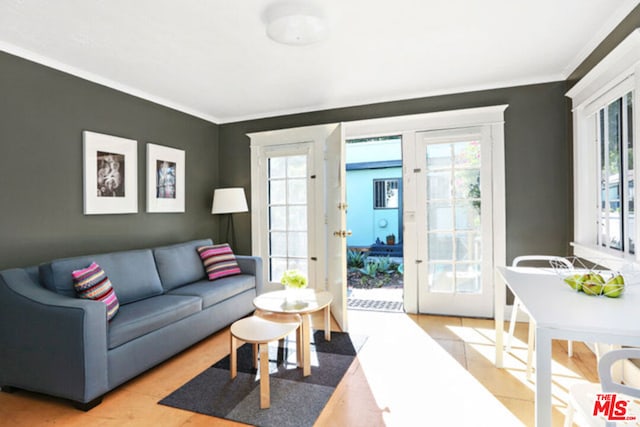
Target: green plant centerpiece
[294, 279]
[294, 282]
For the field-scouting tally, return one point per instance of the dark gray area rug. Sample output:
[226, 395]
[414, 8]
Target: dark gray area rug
[296, 401]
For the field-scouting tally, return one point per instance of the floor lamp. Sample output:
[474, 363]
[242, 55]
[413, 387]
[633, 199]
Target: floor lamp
[229, 201]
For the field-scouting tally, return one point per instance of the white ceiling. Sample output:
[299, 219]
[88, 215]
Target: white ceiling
[212, 59]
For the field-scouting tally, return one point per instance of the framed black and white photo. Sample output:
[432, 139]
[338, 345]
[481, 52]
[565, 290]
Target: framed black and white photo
[165, 179]
[110, 174]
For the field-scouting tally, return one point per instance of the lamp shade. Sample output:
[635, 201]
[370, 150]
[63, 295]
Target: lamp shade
[229, 200]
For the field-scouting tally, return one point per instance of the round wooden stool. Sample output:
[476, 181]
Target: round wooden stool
[259, 331]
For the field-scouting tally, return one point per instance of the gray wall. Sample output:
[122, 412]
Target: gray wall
[42, 115]
[537, 155]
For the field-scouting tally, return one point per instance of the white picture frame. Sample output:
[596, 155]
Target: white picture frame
[110, 174]
[165, 179]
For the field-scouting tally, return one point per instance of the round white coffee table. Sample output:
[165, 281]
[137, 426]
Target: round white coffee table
[259, 331]
[307, 301]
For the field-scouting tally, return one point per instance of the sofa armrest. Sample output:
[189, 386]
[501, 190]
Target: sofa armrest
[252, 265]
[51, 343]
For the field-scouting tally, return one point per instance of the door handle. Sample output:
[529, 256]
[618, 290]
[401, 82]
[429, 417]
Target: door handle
[342, 233]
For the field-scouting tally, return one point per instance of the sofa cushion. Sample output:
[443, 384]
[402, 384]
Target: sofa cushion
[133, 274]
[219, 261]
[92, 283]
[180, 264]
[141, 317]
[223, 289]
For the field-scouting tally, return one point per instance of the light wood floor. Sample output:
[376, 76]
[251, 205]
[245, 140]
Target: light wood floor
[414, 370]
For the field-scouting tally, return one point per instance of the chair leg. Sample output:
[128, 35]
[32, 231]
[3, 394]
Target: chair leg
[568, 419]
[265, 393]
[512, 323]
[255, 356]
[233, 369]
[299, 346]
[570, 348]
[531, 340]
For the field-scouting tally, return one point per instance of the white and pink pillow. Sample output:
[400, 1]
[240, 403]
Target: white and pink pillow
[92, 283]
[219, 261]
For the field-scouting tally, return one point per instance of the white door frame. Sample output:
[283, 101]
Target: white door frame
[261, 143]
[408, 126]
[454, 303]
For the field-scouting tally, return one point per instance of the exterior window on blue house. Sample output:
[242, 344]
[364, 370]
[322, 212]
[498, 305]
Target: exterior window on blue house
[385, 193]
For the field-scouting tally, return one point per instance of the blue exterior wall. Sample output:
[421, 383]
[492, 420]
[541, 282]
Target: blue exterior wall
[365, 222]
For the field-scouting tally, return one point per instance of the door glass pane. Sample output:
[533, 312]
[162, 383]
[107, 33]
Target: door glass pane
[439, 185]
[278, 242]
[454, 256]
[468, 278]
[297, 191]
[468, 246]
[277, 167]
[277, 193]
[277, 216]
[441, 277]
[467, 215]
[467, 154]
[298, 218]
[467, 183]
[297, 244]
[297, 166]
[299, 264]
[441, 246]
[288, 225]
[439, 216]
[438, 156]
[277, 266]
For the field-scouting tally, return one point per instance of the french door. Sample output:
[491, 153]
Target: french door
[454, 222]
[288, 204]
[298, 208]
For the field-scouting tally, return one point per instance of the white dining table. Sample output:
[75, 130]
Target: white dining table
[560, 312]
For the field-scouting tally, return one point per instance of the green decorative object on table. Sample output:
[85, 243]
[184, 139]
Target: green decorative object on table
[614, 286]
[575, 281]
[293, 282]
[594, 284]
[294, 279]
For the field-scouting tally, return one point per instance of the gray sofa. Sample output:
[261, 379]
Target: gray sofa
[54, 343]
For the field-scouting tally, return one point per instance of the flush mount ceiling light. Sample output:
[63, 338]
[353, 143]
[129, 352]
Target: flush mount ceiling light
[295, 22]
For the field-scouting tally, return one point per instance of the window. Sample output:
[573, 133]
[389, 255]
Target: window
[616, 174]
[385, 193]
[604, 193]
[287, 208]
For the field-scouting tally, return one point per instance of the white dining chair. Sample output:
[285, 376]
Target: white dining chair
[517, 306]
[582, 396]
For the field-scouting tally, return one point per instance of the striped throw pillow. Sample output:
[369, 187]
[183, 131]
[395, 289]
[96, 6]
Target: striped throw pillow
[92, 283]
[218, 260]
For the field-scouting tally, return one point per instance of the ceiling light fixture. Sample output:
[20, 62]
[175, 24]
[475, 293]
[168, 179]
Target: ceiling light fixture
[295, 22]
